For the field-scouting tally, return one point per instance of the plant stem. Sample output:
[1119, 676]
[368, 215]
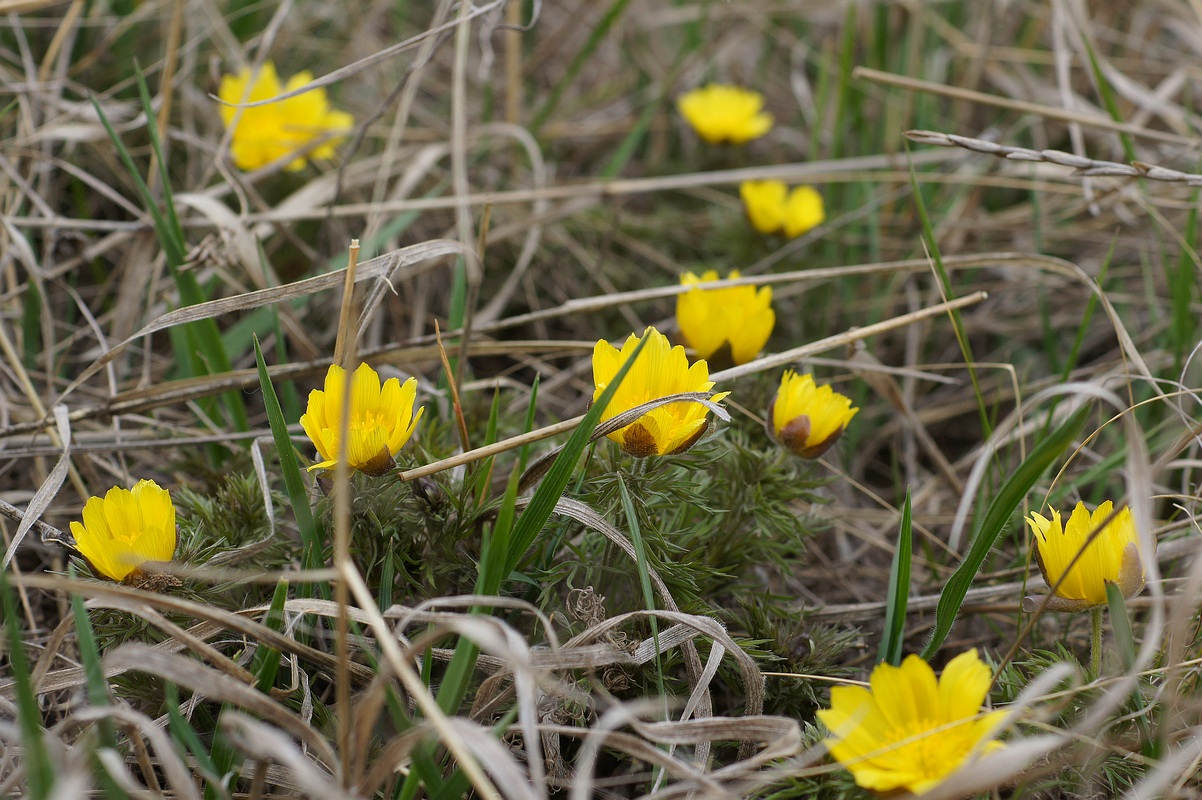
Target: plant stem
[1095, 644]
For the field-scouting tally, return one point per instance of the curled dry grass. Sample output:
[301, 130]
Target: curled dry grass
[1072, 278]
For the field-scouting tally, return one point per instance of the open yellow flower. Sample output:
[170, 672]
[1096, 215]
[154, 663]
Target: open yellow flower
[803, 211]
[772, 208]
[1111, 557]
[381, 419]
[807, 418]
[721, 113]
[659, 371]
[127, 528]
[910, 731]
[765, 204]
[270, 132]
[730, 325]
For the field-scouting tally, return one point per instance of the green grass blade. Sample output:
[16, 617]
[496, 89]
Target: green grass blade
[185, 737]
[611, 16]
[1091, 305]
[640, 555]
[39, 771]
[1107, 94]
[312, 544]
[1181, 282]
[994, 521]
[1124, 641]
[899, 591]
[542, 504]
[524, 453]
[266, 663]
[945, 282]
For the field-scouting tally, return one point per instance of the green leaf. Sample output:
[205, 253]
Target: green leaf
[266, 663]
[313, 551]
[899, 591]
[994, 521]
[542, 504]
[39, 771]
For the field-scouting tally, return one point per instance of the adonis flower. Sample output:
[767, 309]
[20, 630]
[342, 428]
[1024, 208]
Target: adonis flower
[659, 371]
[304, 124]
[721, 113]
[910, 731]
[126, 528]
[1111, 555]
[806, 418]
[381, 419]
[772, 208]
[729, 325]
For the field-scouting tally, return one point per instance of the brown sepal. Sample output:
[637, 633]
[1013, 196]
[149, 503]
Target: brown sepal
[1131, 572]
[151, 581]
[380, 464]
[1055, 602]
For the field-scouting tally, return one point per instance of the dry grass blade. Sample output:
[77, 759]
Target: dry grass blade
[406, 262]
[176, 772]
[214, 685]
[1081, 165]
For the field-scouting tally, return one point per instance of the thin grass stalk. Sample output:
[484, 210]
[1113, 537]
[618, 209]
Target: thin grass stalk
[345, 349]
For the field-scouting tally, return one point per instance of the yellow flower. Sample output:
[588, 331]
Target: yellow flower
[803, 211]
[1111, 557]
[270, 132]
[765, 204]
[806, 418]
[660, 370]
[381, 419]
[722, 113]
[911, 732]
[772, 208]
[732, 323]
[126, 528]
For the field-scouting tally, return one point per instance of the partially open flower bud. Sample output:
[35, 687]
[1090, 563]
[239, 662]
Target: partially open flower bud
[806, 418]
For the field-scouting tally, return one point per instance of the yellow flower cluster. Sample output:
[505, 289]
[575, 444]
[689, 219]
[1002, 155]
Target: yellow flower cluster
[303, 126]
[772, 208]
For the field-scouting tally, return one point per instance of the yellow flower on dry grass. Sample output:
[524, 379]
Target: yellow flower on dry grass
[1112, 556]
[772, 208]
[660, 370]
[807, 418]
[910, 731]
[725, 326]
[381, 419]
[126, 528]
[305, 124]
[721, 113]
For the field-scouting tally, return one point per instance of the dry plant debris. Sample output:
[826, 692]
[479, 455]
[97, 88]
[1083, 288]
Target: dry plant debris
[805, 543]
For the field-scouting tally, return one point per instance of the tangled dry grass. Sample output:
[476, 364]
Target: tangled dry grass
[521, 185]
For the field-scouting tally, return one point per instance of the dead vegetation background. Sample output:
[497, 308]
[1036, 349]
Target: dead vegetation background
[534, 150]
